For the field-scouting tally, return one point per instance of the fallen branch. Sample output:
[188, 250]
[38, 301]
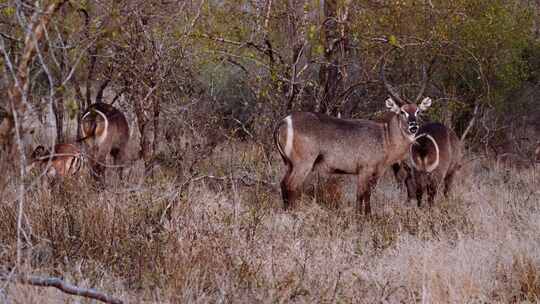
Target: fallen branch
[62, 286]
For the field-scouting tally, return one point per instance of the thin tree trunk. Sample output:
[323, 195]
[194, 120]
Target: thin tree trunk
[58, 107]
[335, 46]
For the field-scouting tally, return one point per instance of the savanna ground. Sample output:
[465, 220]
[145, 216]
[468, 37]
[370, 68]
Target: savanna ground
[214, 231]
[202, 83]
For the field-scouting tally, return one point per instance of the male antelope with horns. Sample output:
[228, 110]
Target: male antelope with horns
[105, 131]
[435, 158]
[361, 147]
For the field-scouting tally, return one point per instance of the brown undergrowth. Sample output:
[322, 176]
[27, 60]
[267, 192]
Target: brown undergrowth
[215, 232]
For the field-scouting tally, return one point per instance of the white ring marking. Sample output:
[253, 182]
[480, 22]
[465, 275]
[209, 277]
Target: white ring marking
[290, 135]
[101, 138]
[82, 119]
[435, 164]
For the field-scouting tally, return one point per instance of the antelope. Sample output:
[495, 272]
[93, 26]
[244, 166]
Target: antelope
[435, 158]
[105, 131]
[307, 141]
[65, 160]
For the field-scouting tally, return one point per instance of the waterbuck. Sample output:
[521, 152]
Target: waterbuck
[65, 160]
[435, 158]
[105, 131]
[365, 148]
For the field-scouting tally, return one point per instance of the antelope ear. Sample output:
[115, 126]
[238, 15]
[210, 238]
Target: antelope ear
[425, 104]
[391, 104]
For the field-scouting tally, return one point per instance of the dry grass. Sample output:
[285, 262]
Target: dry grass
[217, 233]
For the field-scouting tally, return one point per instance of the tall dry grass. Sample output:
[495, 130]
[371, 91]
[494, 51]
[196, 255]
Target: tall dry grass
[215, 232]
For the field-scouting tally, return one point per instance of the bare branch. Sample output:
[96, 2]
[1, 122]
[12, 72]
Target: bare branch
[62, 286]
[102, 87]
[471, 122]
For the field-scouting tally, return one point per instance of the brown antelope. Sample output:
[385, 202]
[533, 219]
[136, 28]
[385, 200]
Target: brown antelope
[435, 158]
[364, 148]
[105, 131]
[65, 160]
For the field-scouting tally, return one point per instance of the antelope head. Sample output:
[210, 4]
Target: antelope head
[408, 113]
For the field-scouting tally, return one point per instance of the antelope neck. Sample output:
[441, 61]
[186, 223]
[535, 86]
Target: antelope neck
[395, 138]
[409, 137]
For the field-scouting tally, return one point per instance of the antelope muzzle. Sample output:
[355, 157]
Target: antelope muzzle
[413, 126]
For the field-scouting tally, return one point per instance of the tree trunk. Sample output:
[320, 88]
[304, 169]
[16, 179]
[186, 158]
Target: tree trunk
[58, 105]
[58, 108]
[146, 129]
[335, 45]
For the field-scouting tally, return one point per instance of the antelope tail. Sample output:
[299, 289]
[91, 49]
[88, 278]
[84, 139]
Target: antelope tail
[287, 150]
[276, 140]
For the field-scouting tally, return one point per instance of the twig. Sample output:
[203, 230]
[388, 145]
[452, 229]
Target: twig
[62, 286]
[471, 122]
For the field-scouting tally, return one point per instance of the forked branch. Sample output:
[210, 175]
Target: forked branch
[62, 286]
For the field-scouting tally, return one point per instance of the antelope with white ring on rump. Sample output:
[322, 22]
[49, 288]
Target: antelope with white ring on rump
[435, 158]
[365, 148]
[105, 131]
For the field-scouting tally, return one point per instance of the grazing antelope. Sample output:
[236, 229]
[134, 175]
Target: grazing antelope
[65, 160]
[105, 131]
[435, 158]
[365, 148]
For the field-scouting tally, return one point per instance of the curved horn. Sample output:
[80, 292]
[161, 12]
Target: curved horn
[391, 90]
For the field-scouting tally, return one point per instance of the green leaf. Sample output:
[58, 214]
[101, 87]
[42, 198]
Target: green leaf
[393, 40]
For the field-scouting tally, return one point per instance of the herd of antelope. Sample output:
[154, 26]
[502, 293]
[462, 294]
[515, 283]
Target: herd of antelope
[429, 154]
[425, 158]
[104, 131]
